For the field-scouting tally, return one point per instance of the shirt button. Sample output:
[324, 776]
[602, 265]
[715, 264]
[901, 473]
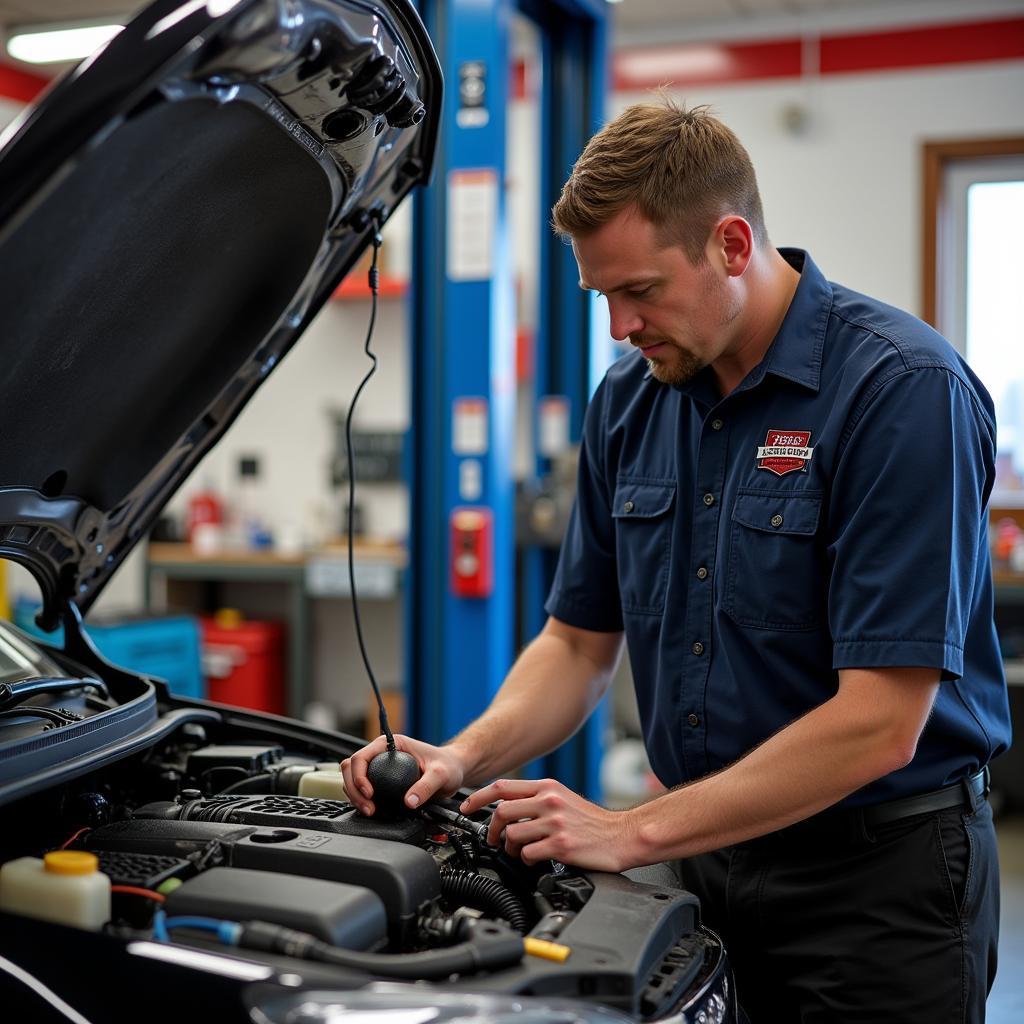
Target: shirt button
[776, 520]
[702, 573]
[698, 648]
[709, 500]
[628, 507]
[693, 720]
[717, 424]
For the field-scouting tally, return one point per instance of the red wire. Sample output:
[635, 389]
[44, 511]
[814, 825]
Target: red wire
[136, 891]
[68, 842]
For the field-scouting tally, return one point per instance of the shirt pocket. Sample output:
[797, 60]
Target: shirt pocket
[642, 512]
[775, 563]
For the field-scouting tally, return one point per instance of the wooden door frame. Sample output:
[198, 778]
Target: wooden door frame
[937, 156]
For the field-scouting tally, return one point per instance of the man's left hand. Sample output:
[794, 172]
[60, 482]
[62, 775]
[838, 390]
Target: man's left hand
[542, 819]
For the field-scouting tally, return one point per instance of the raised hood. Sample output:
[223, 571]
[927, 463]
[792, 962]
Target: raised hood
[172, 215]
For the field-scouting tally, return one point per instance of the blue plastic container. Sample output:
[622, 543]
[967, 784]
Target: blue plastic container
[166, 647]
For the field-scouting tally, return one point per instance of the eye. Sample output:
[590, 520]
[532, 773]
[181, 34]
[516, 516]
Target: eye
[640, 293]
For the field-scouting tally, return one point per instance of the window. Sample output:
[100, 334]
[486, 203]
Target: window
[974, 280]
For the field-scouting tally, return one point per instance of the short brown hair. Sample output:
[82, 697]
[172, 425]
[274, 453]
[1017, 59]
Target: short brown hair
[682, 169]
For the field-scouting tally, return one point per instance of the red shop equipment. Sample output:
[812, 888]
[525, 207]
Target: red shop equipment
[244, 661]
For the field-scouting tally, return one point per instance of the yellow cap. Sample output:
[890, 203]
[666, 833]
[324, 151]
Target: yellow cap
[228, 618]
[71, 862]
[546, 950]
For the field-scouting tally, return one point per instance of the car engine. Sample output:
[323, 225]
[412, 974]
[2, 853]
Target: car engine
[214, 837]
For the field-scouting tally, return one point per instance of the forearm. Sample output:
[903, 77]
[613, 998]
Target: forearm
[548, 694]
[811, 764]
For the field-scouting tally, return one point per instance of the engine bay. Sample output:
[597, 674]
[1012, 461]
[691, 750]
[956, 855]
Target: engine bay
[219, 838]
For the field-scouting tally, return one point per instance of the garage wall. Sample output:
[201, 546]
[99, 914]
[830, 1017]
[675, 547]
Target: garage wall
[289, 424]
[848, 185]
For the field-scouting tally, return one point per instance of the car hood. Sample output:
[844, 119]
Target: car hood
[173, 213]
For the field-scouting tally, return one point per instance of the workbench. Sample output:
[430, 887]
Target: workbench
[175, 571]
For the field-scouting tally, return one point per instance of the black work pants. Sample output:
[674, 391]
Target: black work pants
[897, 924]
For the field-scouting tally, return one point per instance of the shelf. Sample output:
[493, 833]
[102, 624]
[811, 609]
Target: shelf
[370, 551]
[354, 288]
[182, 554]
[1009, 587]
[1014, 671]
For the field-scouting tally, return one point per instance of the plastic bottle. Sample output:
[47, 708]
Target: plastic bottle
[66, 886]
[250, 505]
[204, 509]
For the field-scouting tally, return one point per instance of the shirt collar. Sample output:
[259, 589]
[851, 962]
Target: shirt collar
[796, 351]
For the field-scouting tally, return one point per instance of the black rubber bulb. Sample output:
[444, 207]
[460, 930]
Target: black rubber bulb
[391, 774]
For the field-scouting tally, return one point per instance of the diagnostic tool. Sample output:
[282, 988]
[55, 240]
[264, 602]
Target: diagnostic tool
[392, 772]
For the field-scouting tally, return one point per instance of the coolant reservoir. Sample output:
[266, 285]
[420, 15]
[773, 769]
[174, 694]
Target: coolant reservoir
[327, 783]
[66, 886]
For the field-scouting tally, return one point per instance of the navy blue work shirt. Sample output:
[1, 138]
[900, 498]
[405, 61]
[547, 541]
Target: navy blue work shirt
[829, 513]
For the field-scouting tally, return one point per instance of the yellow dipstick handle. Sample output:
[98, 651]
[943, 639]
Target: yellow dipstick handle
[546, 950]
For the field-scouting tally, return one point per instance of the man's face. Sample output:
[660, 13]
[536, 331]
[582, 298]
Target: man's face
[678, 314]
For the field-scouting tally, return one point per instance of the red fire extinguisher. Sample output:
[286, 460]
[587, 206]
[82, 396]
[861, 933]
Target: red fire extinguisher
[472, 555]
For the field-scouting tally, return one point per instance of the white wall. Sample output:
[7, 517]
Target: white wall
[849, 187]
[288, 423]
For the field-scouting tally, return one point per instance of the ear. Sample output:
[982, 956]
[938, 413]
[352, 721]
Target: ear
[733, 239]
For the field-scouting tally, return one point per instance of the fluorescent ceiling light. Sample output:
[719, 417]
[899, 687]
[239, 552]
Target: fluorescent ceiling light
[41, 45]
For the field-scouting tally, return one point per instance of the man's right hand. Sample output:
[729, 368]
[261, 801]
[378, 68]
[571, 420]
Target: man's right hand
[442, 772]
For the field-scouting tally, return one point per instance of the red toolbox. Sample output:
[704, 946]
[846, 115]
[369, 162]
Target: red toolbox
[244, 662]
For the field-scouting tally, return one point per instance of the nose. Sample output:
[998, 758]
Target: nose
[624, 320]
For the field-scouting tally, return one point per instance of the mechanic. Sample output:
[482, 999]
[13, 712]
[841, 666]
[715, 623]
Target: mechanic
[782, 506]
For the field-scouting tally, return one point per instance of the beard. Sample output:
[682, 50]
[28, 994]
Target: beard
[676, 367]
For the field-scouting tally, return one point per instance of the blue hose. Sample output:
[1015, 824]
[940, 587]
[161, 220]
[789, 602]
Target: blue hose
[227, 931]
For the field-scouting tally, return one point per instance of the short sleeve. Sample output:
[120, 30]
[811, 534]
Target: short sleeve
[907, 523]
[585, 590]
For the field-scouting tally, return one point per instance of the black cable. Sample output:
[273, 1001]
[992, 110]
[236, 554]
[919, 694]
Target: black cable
[485, 894]
[374, 282]
[204, 781]
[491, 947]
[250, 784]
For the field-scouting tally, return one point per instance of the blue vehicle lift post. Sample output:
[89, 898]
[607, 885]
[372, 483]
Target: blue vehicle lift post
[462, 353]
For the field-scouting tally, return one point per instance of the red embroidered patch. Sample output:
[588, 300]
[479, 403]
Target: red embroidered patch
[785, 451]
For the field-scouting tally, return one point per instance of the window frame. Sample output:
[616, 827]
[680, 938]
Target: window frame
[937, 158]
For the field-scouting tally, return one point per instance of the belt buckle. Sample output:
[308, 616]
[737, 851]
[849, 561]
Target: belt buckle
[971, 798]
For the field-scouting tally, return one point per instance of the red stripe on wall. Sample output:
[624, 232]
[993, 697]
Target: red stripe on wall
[926, 45]
[921, 47]
[19, 85]
[648, 67]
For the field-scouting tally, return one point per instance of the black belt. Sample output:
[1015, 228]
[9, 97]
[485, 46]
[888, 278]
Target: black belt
[845, 824]
[965, 793]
